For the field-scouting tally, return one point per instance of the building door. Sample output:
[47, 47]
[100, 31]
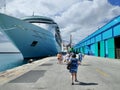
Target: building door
[98, 49]
[117, 47]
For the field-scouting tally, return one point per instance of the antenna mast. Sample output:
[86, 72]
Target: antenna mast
[4, 6]
[70, 40]
[33, 14]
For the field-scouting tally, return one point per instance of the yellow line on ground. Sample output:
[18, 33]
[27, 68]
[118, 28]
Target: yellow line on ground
[102, 72]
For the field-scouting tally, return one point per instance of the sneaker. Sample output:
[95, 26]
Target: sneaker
[76, 81]
[72, 83]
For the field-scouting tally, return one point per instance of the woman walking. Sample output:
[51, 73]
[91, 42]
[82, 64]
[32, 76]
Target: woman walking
[74, 62]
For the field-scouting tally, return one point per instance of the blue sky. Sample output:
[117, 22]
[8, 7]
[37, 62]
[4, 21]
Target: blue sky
[114, 2]
[77, 17]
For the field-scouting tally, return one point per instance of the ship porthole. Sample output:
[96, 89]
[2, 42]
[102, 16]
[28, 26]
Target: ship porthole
[34, 43]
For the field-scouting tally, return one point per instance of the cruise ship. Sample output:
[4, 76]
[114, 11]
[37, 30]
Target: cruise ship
[34, 36]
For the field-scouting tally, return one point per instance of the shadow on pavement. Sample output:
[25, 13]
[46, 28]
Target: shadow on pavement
[84, 84]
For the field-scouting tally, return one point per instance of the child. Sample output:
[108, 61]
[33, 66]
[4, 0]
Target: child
[60, 58]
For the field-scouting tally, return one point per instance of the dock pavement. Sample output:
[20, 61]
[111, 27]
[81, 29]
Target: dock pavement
[46, 74]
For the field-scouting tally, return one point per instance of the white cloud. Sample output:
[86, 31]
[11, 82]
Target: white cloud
[40, 7]
[77, 17]
[1, 3]
[85, 17]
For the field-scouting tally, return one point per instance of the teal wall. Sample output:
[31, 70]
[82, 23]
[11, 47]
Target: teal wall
[107, 34]
[116, 30]
[92, 49]
[96, 49]
[82, 50]
[106, 48]
[111, 48]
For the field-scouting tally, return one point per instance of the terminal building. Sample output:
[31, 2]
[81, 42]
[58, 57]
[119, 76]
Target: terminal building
[105, 42]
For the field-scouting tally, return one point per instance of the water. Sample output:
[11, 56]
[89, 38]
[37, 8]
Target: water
[10, 60]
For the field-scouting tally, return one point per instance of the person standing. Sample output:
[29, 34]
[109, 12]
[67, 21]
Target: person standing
[80, 57]
[74, 68]
[67, 57]
[60, 58]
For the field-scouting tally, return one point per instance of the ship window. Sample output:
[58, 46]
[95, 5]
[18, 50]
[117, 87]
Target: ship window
[34, 43]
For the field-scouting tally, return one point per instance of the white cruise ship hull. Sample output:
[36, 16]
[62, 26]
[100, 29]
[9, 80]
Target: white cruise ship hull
[31, 40]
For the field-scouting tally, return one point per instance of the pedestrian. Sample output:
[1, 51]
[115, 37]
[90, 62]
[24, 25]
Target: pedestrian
[80, 57]
[67, 57]
[74, 62]
[60, 58]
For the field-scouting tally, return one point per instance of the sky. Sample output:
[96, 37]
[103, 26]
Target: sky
[78, 18]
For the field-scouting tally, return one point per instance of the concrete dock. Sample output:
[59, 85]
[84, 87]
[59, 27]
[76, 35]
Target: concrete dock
[94, 74]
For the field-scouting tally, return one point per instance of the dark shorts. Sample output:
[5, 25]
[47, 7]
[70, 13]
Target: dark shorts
[73, 70]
